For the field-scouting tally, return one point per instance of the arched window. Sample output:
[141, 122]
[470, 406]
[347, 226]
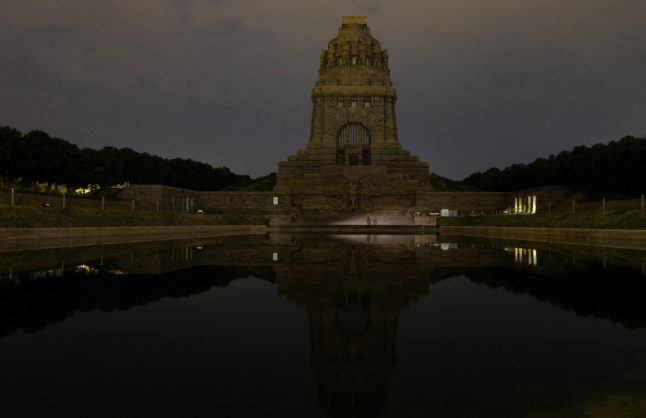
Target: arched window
[353, 134]
[354, 138]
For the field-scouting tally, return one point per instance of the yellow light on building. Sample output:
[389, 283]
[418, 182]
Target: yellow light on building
[89, 189]
[85, 269]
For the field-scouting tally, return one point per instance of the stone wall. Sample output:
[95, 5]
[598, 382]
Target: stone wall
[56, 200]
[44, 238]
[147, 196]
[184, 200]
[466, 203]
[476, 203]
[615, 238]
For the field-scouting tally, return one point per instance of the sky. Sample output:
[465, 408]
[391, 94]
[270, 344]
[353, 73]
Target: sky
[227, 82]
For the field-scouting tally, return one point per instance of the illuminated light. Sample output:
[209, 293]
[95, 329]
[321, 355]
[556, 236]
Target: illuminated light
[524, 255]
[82, 268]
[86, 190]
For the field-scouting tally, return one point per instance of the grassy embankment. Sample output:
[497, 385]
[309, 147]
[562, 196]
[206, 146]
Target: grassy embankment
[39, 217]
[619, 214]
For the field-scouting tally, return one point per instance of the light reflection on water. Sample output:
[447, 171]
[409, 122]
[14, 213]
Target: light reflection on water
[343, 325]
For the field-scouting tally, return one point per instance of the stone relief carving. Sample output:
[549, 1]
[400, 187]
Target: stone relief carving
[359, 113]
[353, 195]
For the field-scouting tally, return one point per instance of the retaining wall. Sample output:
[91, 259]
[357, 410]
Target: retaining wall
[149, 196]
[617, 238]
[56, 200]
[32, 238]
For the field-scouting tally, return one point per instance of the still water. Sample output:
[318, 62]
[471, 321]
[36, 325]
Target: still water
[323, 326]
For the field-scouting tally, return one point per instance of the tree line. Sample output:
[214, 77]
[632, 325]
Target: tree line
[36, 156]
[615, 169]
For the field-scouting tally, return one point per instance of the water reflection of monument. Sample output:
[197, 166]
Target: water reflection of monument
[353, 288]
[353, 294]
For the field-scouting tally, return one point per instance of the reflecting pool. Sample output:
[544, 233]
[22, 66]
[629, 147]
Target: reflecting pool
[324, 326]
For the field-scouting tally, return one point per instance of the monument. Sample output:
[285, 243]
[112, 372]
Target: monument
[353, 169]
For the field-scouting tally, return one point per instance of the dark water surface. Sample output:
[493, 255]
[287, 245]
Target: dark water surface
[323, 326]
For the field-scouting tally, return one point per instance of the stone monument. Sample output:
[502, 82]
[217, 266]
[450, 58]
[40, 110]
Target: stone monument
[353, 169]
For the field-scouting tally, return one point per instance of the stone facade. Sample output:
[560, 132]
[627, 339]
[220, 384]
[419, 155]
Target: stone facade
[353, 164]
[148, 196]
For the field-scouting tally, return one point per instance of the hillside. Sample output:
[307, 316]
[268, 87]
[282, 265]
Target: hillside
[36, 156]
[612, 170]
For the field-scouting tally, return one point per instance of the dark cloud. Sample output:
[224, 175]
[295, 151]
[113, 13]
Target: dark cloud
[227, 82]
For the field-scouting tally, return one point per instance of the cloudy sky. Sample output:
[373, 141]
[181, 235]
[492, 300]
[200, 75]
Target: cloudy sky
[480, 84]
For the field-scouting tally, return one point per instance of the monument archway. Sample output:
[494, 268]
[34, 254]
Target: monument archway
[353, 145]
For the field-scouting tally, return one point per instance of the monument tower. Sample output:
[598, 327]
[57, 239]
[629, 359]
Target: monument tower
[353, 168]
